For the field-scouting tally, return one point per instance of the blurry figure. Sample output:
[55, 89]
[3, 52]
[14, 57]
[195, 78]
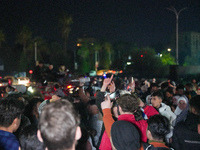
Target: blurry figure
[38, 73]
[58, 91]
[28, 139]
[50, 74]
[62, 74]
[180, 90]
[189, 92]
[31, 110]
[125, 82]
[154, 80]
[194, 84]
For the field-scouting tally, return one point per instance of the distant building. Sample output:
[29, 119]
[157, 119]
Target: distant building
[189, 45]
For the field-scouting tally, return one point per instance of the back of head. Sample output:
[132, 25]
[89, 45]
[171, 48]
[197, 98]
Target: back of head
[129, 103]
[125, 136]
[58, 123]
[195, 103]
[9, 110]
[28, 139]
[159, 126]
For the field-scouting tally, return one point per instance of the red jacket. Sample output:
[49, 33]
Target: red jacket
[108, 121]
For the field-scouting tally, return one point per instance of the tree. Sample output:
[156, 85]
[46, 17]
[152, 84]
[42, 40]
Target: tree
[105, 60]
[2, 37]
[167, 59]
[24, 37]
[189, 61]
[65, 22]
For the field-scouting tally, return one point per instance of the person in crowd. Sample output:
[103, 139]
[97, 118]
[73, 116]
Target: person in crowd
[129, 111]
[187, 134]
[50, 74]
[124, 136]
[180, 89]
[181, 109]
[58, 126]
[85, 142]
[158, 128]
[194, 84]
[58, 91]
[31, 110]
[28, 139]
[162, 108]
[38, 73]
[10, 118]
[46, 102]
[169, 99]
[62, 74]
[189, 92]
[93, 122]
[153, 88]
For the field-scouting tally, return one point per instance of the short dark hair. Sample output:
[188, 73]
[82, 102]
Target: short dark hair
[170, 90]
[130, 103]
[28, 139]
[159, 126]
[158, 94]
[195, 103]
[58, 123]
[9, 110]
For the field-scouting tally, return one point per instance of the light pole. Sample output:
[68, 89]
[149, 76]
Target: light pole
[177, 15]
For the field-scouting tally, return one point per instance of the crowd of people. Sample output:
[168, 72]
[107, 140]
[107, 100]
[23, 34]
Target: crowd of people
[43, 74]
[121, 114]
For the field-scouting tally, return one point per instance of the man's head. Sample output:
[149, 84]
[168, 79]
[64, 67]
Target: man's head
[195, 105]
[40, 64]
[157, 98]
[59, 125]
[180, 89]
[129, 103]
[158, 127]
[124, 135]
[50, 67]
[153, 87]
[10, 114]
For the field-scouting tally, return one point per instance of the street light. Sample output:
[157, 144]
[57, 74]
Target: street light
[177, 15]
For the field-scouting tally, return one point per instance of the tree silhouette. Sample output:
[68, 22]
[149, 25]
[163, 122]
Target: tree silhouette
[2, 37]
[24, 37]
[65, 22]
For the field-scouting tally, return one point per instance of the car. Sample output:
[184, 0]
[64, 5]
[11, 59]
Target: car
[18, 80]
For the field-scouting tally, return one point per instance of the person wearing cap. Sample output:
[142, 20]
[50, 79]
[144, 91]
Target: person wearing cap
[124, 136]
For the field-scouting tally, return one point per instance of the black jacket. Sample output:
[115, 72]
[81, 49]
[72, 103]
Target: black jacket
[185, 136]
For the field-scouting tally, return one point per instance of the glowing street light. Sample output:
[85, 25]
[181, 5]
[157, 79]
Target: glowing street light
[169, 49]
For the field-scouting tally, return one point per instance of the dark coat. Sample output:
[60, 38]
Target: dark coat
[185, 134]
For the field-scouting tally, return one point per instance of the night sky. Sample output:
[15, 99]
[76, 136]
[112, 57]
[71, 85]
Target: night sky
[144, 22]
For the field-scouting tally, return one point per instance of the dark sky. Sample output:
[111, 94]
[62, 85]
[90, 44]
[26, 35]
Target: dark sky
[144, 22]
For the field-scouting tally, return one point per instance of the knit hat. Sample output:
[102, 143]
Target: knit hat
[125, 135]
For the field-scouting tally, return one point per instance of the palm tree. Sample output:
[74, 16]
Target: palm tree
[65, 22]
[2, 37]
[24, 38]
